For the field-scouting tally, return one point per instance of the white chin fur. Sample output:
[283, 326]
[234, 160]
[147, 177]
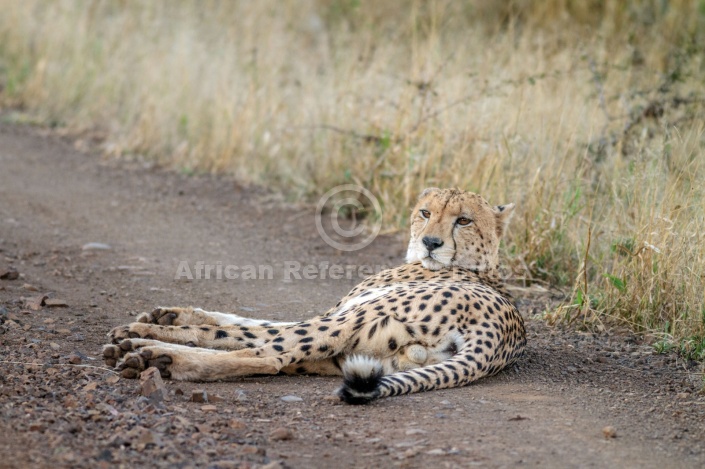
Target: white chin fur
[431, 264]
[416, 253]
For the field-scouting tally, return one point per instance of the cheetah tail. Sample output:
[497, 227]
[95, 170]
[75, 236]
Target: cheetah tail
[362, 376]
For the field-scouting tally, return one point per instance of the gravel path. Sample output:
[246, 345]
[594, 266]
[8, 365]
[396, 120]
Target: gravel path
[61, 408]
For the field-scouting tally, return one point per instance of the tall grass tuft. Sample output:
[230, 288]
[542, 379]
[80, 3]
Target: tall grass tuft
[587, 114]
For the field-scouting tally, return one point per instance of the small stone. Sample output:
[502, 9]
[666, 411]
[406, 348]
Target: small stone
[96, 247]
[35, 303]
[199, 395]
[70, 402]
[683, 395]
[178, 392]
[29, 287]
[291, 399]
[237, 424]
[225, 464]
[92, 386]
[609, 432]
[209, 408]
[215, 398]
[436, 452]
[273, 465]
[74, 359]
[55, 303]
[141, 437]
[410, 453]
[415, 431]
[54, 346]
[249, 449]
[9, 273]
[281, 434]
[152, 385]
[36, 427]
[112, 379]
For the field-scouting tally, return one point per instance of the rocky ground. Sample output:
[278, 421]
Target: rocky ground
[576, 400]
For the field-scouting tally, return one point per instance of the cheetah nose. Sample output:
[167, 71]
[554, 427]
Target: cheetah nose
[431, 243]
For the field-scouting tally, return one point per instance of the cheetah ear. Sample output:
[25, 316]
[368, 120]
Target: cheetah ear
[427, 191]
[502, 214]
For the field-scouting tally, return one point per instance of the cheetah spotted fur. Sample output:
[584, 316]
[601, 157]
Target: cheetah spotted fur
[441, 320]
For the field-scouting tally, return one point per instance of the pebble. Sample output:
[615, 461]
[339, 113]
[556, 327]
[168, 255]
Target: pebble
[273, 465]
[74, 359]
[224, 464]
[291, 398]
[249, 449]
[199, 395]
[609, 432]
[35, 303]
[152, 385]
[70, 402]
[54, 346]
[55, 303]
[237, 424]
[112, 379]
[92, 386]
[141, 437]
[9, 273]
[209, 408]
[36, 427]
[281, 434]
[96, 247]
[436, 452]
[415, 431]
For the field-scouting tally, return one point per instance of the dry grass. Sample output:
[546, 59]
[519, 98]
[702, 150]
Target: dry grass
[587, 114]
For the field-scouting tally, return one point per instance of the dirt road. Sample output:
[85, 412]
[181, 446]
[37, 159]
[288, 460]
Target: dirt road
[549, 411]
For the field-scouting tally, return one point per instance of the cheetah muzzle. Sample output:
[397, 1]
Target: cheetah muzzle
[442, 320]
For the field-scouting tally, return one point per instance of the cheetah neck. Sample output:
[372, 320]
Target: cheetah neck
[488, 277]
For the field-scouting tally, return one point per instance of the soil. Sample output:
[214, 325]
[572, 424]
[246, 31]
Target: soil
[577, 399]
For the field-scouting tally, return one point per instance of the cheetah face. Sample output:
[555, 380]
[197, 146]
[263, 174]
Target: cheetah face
[451, 227]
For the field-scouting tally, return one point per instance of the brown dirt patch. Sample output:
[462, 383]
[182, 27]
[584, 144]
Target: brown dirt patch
[547, 411]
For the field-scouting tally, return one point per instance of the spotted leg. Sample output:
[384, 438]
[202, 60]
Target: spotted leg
[196, 316]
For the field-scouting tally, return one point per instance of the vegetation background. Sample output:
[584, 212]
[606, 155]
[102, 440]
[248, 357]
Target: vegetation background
[588, 114]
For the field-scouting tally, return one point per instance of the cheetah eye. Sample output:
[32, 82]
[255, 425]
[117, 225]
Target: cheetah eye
[463, 221]
[425, 213]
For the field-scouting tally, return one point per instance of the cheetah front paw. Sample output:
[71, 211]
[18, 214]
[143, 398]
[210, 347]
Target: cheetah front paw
[165, 316]
[114, 352]
[135, 330]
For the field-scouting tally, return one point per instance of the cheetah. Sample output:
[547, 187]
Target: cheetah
[443, 319]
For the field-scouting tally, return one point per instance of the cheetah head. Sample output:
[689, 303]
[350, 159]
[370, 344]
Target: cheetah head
[451, 227]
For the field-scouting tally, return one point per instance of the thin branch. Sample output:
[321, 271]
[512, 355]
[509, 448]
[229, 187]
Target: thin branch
[368, 138]
[61, 364]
